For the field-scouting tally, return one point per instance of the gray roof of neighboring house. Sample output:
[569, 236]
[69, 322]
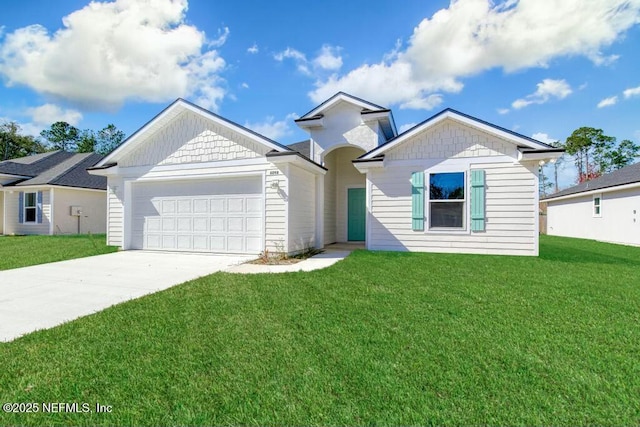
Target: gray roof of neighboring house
[627, 175]
[55, 168]
[302, 147]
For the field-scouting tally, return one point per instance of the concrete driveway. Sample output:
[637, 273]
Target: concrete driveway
[47, 295]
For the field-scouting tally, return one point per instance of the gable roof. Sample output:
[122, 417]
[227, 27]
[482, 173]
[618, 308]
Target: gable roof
[169, 113]
[369, 111]
[54, 168]
[302, 147]
[627, 175]
[449, 113]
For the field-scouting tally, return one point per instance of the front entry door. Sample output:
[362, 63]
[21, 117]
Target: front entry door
[356, 214]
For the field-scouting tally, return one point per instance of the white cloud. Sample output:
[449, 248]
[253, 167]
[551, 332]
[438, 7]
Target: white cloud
[298, 57]
[634, 91]
[328, 58]
[245, 85]
[543, 137]
[253, 49]
[405, 127]
[503, 111]
[607, 102]
[472, 36]
[273, 129]
[47, 114]
[546, 90]
[110, 52]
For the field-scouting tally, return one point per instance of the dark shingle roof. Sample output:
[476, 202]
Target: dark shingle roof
[55, 168]
[302, 147]
[627, 175]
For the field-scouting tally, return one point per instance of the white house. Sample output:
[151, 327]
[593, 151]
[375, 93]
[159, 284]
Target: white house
[190, 180]
[606, 208]
[52, 193]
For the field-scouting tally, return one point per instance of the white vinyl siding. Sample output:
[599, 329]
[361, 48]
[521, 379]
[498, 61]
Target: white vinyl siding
[94, 210]
[115, 212]
[619, 221]
[276, 217]
[510, 212]
[11, 209]
[302, 210]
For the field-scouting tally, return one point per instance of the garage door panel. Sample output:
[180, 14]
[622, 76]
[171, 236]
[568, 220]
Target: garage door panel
[168, 242]
[200, 225]
[200, 206]
[218, 206]
[235, 205]
[218, 225]
[184, 242]
[184, 224]
[168, 207]
[216, 216]
[184, 206]
[168, 224]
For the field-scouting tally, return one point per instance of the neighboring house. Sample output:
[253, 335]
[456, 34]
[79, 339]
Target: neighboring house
[190, 180]
[606, 208]
[52, 193]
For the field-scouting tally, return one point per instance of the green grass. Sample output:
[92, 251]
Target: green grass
[379, 338]
[22, 251]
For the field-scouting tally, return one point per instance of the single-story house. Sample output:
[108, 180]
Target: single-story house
[606, 208]
[191, 180]
[52, 193]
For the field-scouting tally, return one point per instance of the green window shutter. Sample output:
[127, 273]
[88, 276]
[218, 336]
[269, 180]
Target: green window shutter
[39, 207]
[417, 201]
[477, 200]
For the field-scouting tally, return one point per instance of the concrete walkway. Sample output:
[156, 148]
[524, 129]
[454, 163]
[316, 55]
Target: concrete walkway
[323, 260]
[46, 295]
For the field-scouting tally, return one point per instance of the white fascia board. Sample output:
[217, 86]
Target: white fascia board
[459, 118]
[592, 192]
[375, 117]
[296, 160]
[364, 167]
[111, 171]
[536, 156]
[338, 98]
[311, 123]
[172, 112]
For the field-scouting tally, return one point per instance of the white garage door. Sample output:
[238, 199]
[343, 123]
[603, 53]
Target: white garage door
[223, 215]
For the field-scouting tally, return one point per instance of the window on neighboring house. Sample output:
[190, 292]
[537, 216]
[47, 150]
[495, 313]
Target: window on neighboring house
[30, 201]
[446, 200]
[597, 205]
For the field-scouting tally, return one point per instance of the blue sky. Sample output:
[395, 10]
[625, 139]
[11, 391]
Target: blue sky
[539, 67]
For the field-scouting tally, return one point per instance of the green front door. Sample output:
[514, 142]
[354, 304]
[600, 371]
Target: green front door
[356, 214]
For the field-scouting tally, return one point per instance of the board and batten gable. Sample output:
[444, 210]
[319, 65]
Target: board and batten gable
[510, 197]
[618, 219]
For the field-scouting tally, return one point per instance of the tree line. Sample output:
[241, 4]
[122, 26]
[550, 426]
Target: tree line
[593, 153]
[60, 136]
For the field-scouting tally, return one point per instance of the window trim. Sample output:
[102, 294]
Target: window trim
[34, 207]
[598, 206]
[464, 229]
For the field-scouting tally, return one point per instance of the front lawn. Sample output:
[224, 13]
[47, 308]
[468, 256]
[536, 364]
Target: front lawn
[380, 338]
[22, 251]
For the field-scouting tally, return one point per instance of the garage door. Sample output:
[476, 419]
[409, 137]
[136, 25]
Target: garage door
[223, 215]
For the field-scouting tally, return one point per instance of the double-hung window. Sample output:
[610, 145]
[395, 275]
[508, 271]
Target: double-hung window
[447, 197]
[30, 208]
[597, 205]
